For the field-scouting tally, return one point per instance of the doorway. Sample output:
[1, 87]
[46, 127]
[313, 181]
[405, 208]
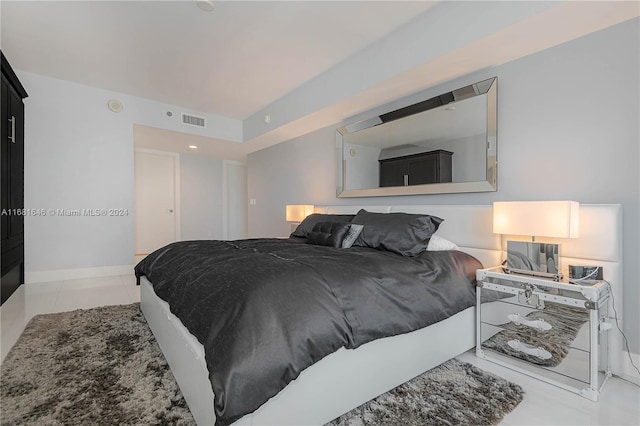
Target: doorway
[157, 200]
[234, 200]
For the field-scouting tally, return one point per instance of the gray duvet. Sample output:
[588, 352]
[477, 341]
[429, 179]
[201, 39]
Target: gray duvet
[266, 309]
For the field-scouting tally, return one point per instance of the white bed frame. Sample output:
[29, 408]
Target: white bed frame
[348, 378]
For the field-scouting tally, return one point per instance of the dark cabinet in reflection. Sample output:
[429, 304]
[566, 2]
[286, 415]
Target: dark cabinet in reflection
[416, 169]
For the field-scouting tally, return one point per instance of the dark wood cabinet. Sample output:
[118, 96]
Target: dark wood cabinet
[416, 169]
[11, 182]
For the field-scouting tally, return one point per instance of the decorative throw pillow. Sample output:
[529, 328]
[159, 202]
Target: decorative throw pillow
[402, 233]
[303, 230]
[352, 234]
[437, 243]
[328, 234]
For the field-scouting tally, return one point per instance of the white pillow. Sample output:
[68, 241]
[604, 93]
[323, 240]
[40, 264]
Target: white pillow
[352, 234]
[437, 243]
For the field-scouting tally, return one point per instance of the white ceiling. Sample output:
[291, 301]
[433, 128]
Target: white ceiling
[231, 62]
[306, 65]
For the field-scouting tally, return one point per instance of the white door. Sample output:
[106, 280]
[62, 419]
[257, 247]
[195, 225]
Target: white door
[156, 180]
[234, 200]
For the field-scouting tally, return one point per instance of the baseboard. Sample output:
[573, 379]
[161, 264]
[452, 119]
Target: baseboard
[628, 372]
[74, 274]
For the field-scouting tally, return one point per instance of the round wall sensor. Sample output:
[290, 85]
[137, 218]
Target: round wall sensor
[352, 152]
[205, 5]
[115, 105]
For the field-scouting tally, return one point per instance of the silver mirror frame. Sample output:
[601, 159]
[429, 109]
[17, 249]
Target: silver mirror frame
[488, 185]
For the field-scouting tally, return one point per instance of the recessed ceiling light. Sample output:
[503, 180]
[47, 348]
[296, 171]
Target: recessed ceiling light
[206, 5]
[193, 147]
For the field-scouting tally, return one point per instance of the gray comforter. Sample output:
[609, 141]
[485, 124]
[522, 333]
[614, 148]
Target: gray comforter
[266, 309]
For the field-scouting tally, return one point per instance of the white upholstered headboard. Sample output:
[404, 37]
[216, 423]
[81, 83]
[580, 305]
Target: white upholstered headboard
[471, 228]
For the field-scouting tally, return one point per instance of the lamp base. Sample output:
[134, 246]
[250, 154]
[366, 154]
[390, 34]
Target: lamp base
[538, 274]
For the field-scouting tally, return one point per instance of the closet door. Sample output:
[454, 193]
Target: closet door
[11, 182]
[157, 184]
[16, 170]
[4, 159]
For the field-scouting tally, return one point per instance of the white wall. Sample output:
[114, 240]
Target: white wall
[362, 167]
[79, 155]
[301, 171]
[567, 129]
[466, 152]
[200, 198]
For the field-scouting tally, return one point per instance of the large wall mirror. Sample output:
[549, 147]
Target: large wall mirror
[446, 144]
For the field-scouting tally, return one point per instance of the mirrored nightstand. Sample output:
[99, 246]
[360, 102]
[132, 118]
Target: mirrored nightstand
[553, 331]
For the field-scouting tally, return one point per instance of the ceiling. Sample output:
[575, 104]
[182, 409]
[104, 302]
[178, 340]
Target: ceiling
[231, 62]
[281, 69]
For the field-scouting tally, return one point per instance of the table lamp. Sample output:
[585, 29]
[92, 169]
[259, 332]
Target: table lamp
[296, 213]
[555, 219]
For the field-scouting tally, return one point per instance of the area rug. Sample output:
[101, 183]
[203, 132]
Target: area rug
[90, 367]
[453, 393]
[103, 366]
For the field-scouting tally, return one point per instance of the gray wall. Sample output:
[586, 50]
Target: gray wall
[567, 129]
[80, 155]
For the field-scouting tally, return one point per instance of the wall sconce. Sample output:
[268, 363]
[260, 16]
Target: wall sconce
[296, 213]
[555, 219]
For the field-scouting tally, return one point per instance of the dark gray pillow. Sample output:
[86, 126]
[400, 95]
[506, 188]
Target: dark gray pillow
[328, 234]
[303, 230]
[402, 233]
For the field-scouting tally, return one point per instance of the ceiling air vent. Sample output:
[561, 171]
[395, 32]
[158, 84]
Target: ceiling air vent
[193, 120]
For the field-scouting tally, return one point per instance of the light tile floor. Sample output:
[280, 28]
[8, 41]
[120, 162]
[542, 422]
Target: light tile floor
[543, 404]
[61, 296]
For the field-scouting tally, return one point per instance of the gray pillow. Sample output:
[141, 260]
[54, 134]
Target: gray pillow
[402, 233]
[303, 230]
[328, 234]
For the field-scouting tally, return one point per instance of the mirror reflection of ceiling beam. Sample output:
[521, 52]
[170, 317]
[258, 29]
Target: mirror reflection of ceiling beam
[435, 102]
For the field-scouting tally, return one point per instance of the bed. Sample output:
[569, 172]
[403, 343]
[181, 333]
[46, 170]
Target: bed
[344, 378]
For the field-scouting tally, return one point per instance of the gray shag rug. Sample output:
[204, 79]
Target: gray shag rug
[565, 321]
[99, 366]
[453, 393]
[103, 366]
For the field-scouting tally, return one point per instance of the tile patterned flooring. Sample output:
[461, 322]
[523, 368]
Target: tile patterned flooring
[543, 404]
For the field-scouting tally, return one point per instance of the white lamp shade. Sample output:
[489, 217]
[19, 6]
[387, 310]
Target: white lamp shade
[556, 219]
[297, 212]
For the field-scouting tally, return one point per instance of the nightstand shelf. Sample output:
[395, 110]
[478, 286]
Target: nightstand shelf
[553, 331]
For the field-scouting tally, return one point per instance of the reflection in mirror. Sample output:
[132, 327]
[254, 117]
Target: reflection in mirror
[444, 144]
[535, 257]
